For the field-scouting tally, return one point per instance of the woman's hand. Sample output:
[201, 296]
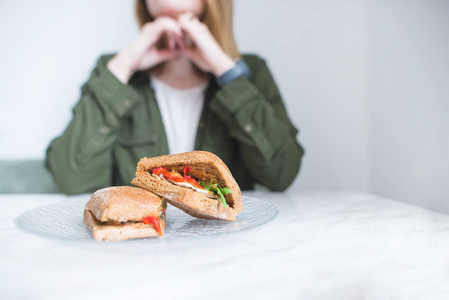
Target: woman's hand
[143, 53]
[206, 53]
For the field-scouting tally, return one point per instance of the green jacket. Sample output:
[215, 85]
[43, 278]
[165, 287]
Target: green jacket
[115, 125]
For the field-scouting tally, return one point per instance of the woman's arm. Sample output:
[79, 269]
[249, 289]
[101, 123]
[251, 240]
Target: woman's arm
[80, 160]
[255, 115]
[252, 109]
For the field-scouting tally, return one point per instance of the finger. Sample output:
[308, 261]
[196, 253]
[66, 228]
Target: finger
[164, 55]
[156, 29]
[175, 43]
[158, 56]
[179, 44]
[171, 42]
[191, 26]
[187, 19]
[166, 24]
[188, 16]
[188, 40]
[185, 42]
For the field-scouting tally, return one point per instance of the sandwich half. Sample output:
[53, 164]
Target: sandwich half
[197, 182]
[124, 212]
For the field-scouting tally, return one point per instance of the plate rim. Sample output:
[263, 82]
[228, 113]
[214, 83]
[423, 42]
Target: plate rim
[51, 236]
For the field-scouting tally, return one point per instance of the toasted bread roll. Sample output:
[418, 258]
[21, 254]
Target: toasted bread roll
[123, 212]
[204, 166]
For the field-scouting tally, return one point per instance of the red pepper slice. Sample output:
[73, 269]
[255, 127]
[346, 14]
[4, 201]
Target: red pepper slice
[173, 177]
[186, 170]
[160, 170]
[155, 222]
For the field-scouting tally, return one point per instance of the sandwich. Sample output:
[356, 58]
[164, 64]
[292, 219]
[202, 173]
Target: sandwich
[125, 212]
[197, 182]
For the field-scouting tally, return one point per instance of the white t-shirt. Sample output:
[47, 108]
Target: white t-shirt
[181, 112]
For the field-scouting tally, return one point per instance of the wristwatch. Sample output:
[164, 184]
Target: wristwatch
[240, 69]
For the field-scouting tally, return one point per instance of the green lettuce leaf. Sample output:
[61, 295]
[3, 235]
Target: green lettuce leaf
[217, 190]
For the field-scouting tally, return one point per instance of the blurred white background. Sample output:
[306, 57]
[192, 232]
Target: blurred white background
[367, 82]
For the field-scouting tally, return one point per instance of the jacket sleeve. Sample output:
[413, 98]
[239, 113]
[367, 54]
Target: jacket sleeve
[255, 115]
[80, 160]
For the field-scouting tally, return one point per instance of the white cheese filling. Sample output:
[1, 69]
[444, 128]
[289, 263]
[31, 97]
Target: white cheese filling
[188, 185]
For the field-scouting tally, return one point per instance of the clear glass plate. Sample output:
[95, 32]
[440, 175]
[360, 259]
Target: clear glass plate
[65, 221]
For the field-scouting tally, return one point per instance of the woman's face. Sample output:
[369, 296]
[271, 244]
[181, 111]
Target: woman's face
[173, 8]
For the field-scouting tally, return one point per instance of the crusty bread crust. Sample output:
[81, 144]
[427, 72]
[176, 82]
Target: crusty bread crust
[115, 213]
[205, 166]
[118, 232]
[124, 203]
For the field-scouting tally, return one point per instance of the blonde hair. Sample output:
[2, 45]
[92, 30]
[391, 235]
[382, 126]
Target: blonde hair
[217, 17]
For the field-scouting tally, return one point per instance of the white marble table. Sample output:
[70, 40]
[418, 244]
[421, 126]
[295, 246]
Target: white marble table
[323, 245]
